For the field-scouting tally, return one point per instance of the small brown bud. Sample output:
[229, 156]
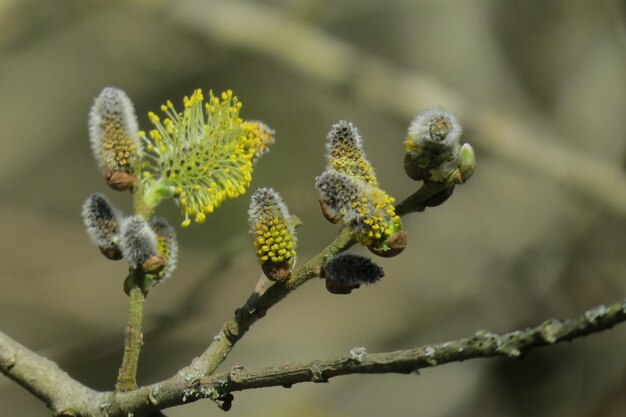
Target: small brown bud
[112, 252]
[153, 265]
[392, 246]
[334, 287]
[121, 181]
[277, 271]
[326, 211]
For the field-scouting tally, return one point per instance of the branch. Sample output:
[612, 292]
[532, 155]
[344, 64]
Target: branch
[43, 378]
[133, 340]
[483, 344]
[67, 397]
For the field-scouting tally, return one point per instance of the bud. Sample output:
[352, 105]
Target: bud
[274, 231]
[392, 246]
[346, 154]
[346, 272]
[327, 212]
[120, 181]
[154, 265]
[102, 224]
[137, 240]
[432, 141]
[167, 246]
[114, 138]
[467, 162]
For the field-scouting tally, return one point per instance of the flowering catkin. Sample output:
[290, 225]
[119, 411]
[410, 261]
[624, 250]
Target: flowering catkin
[349, 191]
[204, 153]
[272, 226]
[113, 132]
[368, 210]
[345, 153]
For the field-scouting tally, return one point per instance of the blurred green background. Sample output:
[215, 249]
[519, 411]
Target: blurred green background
[538, 232]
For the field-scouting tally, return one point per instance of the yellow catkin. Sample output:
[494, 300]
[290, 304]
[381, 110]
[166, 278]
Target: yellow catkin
[205, 151]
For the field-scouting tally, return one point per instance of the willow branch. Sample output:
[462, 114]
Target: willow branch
[483, 344]
[67, 397]
[42, 378]
[133, 340]
[183, 389]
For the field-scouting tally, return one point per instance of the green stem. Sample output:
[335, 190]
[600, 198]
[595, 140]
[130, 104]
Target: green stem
[141, 207]
[133, 339]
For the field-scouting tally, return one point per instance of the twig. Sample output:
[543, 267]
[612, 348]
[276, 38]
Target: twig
[42, 378]
[67, 397]
[483, 344]
[133, 340]
[133, 336]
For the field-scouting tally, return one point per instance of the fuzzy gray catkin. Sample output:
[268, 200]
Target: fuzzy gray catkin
[138, 241]
[102, 221]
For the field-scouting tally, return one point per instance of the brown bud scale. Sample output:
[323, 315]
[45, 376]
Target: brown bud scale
[121, 181]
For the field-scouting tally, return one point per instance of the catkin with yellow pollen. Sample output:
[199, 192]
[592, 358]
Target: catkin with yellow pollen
[274, 233]
[349, 192]
[204, 153]
[345, 153]
[367, 210]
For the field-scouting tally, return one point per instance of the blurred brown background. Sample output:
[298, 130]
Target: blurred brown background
[538, 232]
